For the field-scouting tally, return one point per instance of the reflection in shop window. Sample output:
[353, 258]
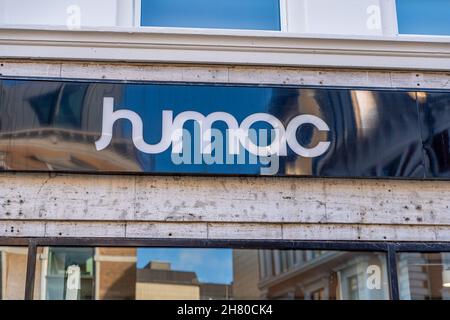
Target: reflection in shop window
[337, 275]
[353, 288]
[207, 274]
[67, 273]
[424, 276]
[318, 294]
[13, 267]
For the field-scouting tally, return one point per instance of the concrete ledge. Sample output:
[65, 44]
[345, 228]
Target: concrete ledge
[222, 231]
[62, 205]
[226, 47]
[320, 77]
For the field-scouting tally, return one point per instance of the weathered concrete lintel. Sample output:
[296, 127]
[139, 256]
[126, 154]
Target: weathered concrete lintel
[221, 231]
[413, 79]
[222, 199]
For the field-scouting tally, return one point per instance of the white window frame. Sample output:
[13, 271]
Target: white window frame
[137, 13]
[284, 15]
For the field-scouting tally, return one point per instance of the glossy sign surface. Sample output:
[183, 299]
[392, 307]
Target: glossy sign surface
[50, 125]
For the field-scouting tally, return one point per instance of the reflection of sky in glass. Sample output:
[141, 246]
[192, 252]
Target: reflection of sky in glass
[211, 265]
[429, 17]
[225, 14]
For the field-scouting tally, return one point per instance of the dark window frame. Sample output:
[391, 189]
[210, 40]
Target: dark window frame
[391, 249]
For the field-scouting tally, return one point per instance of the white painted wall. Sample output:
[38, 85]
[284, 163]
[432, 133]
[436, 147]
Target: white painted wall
[343, 17]
[346, 17]
[90, 13]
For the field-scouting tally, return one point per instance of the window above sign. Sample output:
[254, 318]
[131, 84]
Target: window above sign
[430, 17]
[223, 14]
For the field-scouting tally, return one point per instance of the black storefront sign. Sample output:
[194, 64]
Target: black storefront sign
[118, 127]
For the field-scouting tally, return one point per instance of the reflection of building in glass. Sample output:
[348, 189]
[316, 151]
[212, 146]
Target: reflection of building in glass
[215, 291]
[13, 266]
[84, 273]
[104, 273]
[246, 274]
[115, 273]
[111, 273]
[157, 281]
[59, 130]
[424, 276]
[311, 275]
[289, 274]
[361, 123]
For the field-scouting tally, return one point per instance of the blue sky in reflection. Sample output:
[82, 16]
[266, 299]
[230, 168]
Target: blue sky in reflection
[211, 265]
[430, 17]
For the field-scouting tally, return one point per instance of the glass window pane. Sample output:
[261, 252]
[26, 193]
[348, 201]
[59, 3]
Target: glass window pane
[325, 275]
[65, 273]
[206, 274]
[226, 14]
[13, 269]
[430, 17]
[424, 276]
